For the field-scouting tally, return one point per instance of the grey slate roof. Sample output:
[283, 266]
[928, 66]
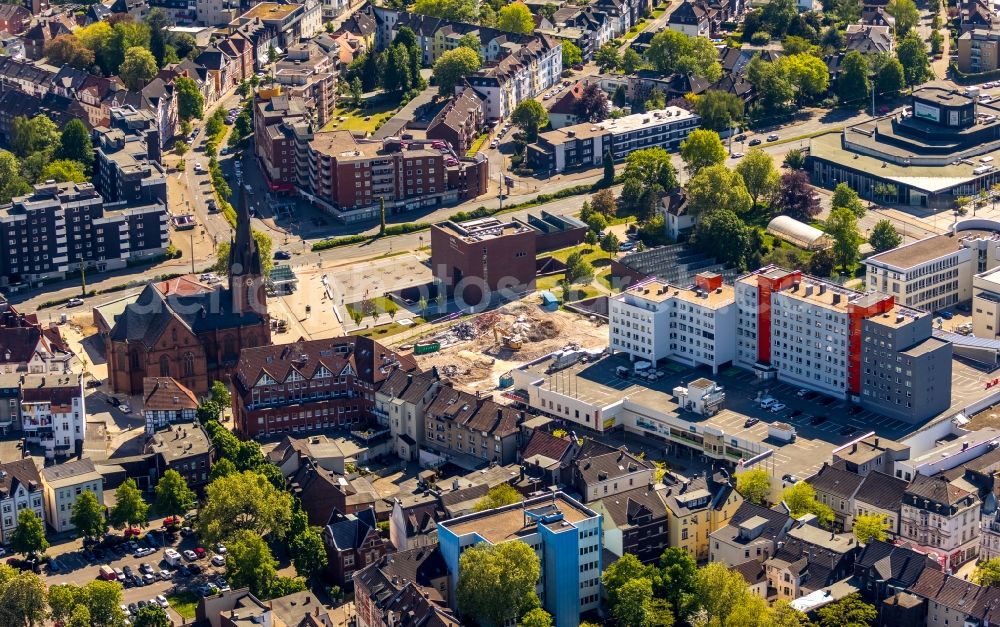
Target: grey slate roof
[882, 491]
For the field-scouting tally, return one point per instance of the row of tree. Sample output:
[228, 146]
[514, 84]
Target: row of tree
[41, 152]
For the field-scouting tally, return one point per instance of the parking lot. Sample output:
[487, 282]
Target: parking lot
[79, 568]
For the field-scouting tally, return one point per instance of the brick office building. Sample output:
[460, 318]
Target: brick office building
[475, 258]
[310, 385]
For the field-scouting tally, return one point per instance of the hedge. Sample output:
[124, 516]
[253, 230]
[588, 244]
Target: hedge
[973, 78]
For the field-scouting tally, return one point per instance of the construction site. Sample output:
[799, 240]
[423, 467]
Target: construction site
[476, 352]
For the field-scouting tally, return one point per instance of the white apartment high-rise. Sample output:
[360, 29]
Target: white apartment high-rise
[696, 325]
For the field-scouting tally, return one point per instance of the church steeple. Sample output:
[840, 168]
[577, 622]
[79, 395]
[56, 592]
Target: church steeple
[246, 276]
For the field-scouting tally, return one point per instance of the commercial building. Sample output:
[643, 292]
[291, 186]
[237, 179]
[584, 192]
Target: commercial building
[291, 21]
[566, 536]
[942, 149]
[310, 385]
[941, 517]
[863, 346]
[584, 145]
[697, 507]
[64, 483]
[469, 430]
[274, 137]
[978, 51]
[349, 177]
[809, 559]
[938, 272]
[53, 413]
[477, 259]
[20, 488]
[695, 325]
[61, 226]
[309, 73]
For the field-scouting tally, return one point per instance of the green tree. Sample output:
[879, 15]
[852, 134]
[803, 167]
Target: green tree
[759, 175]
[609, 168]
[159, 37]
[678, 571]
[936, 40]
[672, 51]
[844, 196]
[138, 68]
[607, 57]
[530, 116]
[906, 14]
[28, 537]
[854, 85]
[151, 616]
[717, 187]
[243, 502]
[868, 527]
[850, 611]
[75, 144]
[719, 110]
[471, 41]
[498, 496]
[88, 515]
[516, 18]
[536, 618]
[398, 75]
[173, 497]
[458, 10]
[220, 394]
[11, 182]
[627, 568]
[63, 171]
[884, 236]
[222, 468]
[822, 263]
[796, 197]
[633, 599]
[62, 599]
[651, 166]
[631, 62]
[308, 554]
[774, 89]
[701, 149]
[724, 234]
[68, 50]
[127, 34]
[38, 134]
[842, 226]
[97, 38]
[190, 101]
[103, 599]
[406, 37]
[987, 573]
[496, 583]
[801, 499]
[912, 54]
[249, 562]
[807, 74]
[721, 593]
[454, 65]
[22, 598]
[129, 510]
[610, 243]
[754, 485]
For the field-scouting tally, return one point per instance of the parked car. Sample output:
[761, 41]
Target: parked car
[148, 579]
[773, 137]
[749, 422]
[626, 246]
[128, 571]
[190, 555]
[778, 407]
[186, 531]
[74, 302]
[947, 315]
[283, 255]
[182, 571]
[802, 392]
[145, 569]
[162, 601]
[165, 575]
[221, 549]
[195, 569]
[755, 141]
[218, 560]
[200, 552]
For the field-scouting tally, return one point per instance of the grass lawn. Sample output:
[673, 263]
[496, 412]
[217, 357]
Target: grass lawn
[597, 257]
[604, 278]
[476, 145]
[381, 303]
[549, 282]
[386, 330]
[356, 117]
[184, 603]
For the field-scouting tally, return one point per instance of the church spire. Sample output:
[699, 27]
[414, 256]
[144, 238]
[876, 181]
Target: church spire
[246, 276]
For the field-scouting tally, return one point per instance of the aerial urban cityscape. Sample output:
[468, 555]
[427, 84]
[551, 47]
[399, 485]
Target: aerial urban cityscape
[487, 313]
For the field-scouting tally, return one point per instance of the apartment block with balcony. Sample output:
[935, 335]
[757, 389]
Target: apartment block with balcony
[400, 405]
[309, 73]
[274, 137]
[469, 430]
[978, 51]
[310, 385]
[127, 170]
[695, 325]
[584, 145]
[565, 534]
[941, 517]
[61, 226]
[53, 414]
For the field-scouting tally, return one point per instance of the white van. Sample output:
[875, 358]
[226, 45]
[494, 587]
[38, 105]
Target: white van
[172, 557]
[767, 402]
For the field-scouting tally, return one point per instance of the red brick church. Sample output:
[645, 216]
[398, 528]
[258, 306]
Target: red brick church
[190, 331]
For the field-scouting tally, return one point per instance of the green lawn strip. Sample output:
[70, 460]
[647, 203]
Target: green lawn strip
[184, 603]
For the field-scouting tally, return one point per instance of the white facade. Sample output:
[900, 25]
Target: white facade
[312, 19]
[64, 483]
[53, 413]
[22, 496]
[654, 321]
